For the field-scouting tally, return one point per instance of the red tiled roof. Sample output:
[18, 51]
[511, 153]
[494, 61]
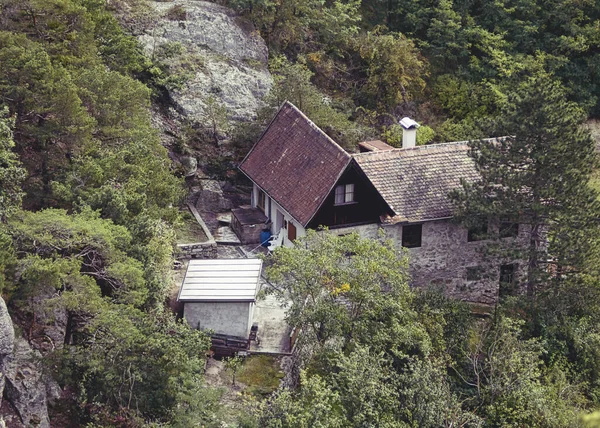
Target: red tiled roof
[415, 182]
[295, 163]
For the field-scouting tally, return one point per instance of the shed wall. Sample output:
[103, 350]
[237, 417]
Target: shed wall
[230, 318]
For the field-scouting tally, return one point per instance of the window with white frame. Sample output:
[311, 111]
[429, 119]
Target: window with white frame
[344, 194]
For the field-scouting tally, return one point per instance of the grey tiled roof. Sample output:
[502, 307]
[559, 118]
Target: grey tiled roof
[415, 182]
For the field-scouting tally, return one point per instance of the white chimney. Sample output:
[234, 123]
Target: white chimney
[409, 133]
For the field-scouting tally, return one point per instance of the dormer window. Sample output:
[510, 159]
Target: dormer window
[344, 194]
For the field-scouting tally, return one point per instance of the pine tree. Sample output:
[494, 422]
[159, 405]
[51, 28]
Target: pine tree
[538, 175]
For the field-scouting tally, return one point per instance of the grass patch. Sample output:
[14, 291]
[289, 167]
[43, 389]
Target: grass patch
[189, 231]
[261, 374]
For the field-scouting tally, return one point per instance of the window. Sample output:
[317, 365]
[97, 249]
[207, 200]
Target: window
[344, 194]
[261, 200]
[478, 231]
[473, 273]
[279, 221]
[508, 228]
[411, 235]
[508, 279]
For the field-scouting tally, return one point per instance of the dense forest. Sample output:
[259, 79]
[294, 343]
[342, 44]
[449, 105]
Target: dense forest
[89, 199]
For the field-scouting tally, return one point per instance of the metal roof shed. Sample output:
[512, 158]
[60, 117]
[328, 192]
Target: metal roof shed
[219, 295]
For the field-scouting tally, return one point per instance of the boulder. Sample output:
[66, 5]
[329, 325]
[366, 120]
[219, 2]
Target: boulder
[222, 56]
[211, 197]
[190, 165]
[51, 320]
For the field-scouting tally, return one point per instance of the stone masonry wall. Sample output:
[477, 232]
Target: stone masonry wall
[445, 254]
[367, 231]
[200, 250]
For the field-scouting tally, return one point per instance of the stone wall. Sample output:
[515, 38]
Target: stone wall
[230, 318]
[199, 250]
[445, 254]
[368, 231]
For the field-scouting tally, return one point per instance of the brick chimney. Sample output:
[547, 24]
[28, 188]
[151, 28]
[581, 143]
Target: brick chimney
[409, 133]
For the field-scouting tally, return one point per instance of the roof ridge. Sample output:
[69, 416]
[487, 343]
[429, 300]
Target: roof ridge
[425, 147]
[315, 127]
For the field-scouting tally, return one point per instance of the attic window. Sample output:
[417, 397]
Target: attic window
[344, 194]
[411, 235]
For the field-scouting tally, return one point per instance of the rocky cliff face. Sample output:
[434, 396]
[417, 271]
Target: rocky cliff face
[22, 380]
[220, 55]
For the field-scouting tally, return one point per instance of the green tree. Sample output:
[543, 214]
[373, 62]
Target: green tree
[314, 404]
[233, 364]
[508, 381]
[538, 174]
[346, 288]
[292, 82]
[394, 71]
[11, 172]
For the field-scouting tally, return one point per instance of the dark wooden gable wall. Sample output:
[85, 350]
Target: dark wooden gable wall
[368, 205]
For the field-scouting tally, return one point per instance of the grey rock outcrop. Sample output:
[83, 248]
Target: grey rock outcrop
[25, 387]
[190, 165]
[211, 197]
[22, 382]
[7, 332]
[222, 55]
[7, 342]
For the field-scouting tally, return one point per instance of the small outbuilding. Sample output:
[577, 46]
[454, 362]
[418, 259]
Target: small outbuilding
[220, 295]
[248, 223]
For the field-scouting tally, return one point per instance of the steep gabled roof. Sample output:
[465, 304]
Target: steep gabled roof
[295, 163]
[415, 182]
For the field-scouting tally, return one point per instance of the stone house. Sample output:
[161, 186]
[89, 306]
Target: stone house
[303, 179]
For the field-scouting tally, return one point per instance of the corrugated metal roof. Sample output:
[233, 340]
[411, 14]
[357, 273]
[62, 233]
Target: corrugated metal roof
[224, 280]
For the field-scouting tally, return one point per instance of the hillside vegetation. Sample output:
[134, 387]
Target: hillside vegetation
[89, 201]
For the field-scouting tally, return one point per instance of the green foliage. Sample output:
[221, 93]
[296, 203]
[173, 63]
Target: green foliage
[506, 377]
[116, 356]
[64, 251]
[233, 364]
[394, 70]
[393, 135]
[11, 172]
[216, 118]
[261, 374]
[335, 285]
[372, 356]
[292, 83]
[314, 405]
[148, 364]
[539, 174]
